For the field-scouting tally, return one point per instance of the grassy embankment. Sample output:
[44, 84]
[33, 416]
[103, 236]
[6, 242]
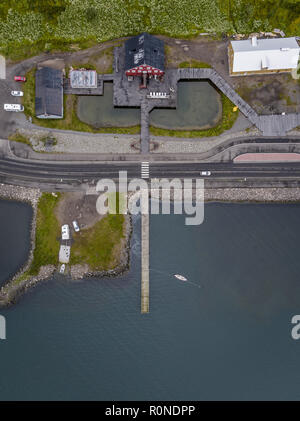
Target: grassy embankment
[46, 237]
[28, 27]
[194, 63]
[101, 245]
[98, 246]
[18, 137]
[70, 120]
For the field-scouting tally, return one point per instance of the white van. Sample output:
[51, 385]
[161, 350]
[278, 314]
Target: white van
[65, 232]
[13, 107]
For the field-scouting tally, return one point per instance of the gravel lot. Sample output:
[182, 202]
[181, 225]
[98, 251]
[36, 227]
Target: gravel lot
[72, 142]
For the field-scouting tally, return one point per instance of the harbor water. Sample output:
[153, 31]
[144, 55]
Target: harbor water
[223, 334]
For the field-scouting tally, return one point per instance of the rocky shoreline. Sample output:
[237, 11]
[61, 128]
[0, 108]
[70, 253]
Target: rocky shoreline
[14, 288]
[261, 195]
[245, 194]
[30, 196]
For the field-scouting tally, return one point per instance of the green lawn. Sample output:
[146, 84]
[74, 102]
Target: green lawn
[18, 137]
[70, 120]
[99, 246]
[194, 63]
[47, 234]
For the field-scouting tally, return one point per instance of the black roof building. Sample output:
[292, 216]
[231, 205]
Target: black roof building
[144, 50]
[49, 93]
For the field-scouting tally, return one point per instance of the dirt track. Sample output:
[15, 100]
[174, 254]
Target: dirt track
[79, 207]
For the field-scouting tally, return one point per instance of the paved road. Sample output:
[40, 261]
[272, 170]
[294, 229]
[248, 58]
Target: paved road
[28, 172]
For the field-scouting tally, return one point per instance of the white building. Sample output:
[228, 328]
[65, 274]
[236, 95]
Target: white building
[263, 55]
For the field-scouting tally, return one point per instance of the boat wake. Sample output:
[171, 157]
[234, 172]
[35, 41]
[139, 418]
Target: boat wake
[177, 276]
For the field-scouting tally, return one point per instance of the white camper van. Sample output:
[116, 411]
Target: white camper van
[13, 107]
[65, 232]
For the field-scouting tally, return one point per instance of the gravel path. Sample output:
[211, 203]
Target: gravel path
[73, 142]
[77, 142]
[196, 145]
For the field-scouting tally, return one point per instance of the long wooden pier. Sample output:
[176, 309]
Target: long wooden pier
[145, 264]
[145, 135]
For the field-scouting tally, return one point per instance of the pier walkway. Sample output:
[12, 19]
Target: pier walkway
[145, 264]
[269, 125]
[145, 123]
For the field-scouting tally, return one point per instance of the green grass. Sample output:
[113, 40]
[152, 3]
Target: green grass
[70, 120]
[228, 118]
[28, 27]
[289, 101]
[47, 234]
[28, 99]
[194, 63]
[18, 137]
[99, 246]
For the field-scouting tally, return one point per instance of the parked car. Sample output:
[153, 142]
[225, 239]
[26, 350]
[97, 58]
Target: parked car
[17, 93]
[65, 232]
[13, 107]
[75, 226]
[207, 173]
[62, 268]
[20, 78]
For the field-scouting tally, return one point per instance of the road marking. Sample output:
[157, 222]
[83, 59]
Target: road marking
[145, 169]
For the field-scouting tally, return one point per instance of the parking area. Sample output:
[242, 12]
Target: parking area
[10, 121]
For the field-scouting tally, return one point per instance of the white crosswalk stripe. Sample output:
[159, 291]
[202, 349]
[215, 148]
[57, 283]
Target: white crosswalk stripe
[145, 169]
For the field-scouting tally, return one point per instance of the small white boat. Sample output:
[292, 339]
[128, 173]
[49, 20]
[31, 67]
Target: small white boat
[181, 277]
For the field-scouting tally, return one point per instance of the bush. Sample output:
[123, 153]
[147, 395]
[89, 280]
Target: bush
[62, 22]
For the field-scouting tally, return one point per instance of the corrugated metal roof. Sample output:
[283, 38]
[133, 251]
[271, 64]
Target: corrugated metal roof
[268, 54]
[49, 92]
[144, 49]
[264, 44]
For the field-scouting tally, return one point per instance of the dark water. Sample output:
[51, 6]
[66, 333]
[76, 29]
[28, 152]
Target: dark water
[100, 112]
[15, 219]
[198, 106]
[229, 339]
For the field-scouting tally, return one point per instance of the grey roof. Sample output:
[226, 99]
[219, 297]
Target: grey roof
[265, 44]
[144, 49]
[83, 78]
[49, 91]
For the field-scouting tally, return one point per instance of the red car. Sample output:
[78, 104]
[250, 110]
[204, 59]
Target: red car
[20, 78]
